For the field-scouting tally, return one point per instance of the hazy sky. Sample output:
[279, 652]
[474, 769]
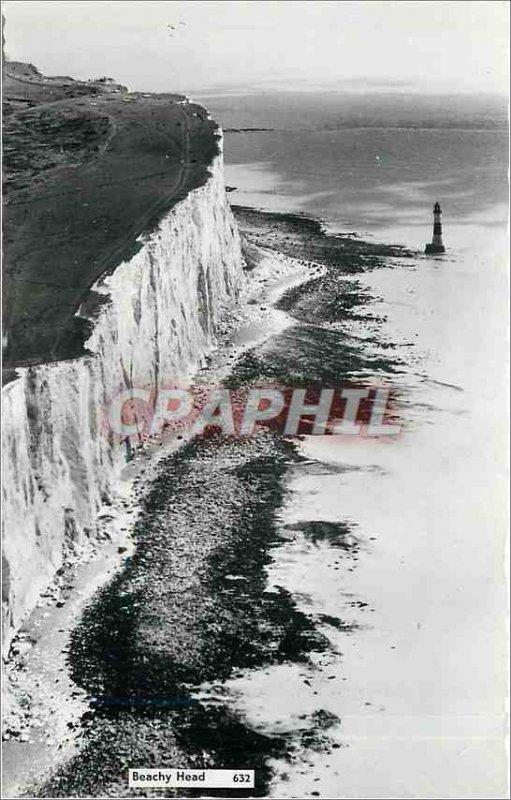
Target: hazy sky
[431, 45]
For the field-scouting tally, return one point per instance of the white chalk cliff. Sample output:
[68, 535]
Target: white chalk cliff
[160, 319]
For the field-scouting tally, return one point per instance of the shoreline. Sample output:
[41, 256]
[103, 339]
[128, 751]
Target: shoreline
[328, 612]
[272, 274]
[49, 625]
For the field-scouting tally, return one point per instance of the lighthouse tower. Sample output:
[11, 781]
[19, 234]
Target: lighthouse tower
[437, 245]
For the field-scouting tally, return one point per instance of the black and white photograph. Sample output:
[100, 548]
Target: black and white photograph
[255, 404]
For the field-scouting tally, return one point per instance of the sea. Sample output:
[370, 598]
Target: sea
[332, 611]
[416, 687]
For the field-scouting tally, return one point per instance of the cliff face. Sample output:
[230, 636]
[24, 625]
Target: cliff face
[159, 320]
[167, 300]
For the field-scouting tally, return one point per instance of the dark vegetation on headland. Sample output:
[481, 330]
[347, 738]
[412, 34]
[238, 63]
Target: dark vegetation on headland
[192, 604]
[88, 167]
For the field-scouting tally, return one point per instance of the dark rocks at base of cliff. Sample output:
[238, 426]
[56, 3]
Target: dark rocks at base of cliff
[303, 237]
[191, 606]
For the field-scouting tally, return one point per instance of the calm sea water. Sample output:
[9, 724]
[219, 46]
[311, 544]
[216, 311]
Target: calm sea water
[368, 163]
[419, 686]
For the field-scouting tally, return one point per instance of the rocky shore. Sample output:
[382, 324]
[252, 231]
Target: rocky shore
[189, 605]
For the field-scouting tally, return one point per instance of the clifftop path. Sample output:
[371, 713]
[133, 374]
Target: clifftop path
[89, 167]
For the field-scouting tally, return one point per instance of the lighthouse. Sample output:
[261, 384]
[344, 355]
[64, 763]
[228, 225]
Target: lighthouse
[437, 245]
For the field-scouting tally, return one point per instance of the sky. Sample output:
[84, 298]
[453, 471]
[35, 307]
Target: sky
[431, 46]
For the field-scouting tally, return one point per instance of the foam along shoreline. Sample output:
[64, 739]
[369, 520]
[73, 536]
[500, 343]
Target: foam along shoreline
[42, 726]
[271, 273]
[422, 669]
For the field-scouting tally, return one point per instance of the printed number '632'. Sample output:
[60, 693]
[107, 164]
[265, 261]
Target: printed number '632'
[240, 777]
